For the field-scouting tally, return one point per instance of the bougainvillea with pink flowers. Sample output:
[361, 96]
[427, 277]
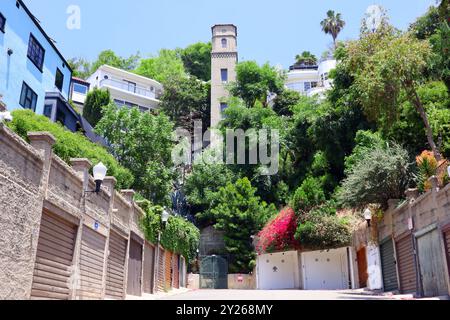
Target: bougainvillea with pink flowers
[278, 234]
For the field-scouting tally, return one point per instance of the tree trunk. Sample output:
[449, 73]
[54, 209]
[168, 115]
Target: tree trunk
[415, 100]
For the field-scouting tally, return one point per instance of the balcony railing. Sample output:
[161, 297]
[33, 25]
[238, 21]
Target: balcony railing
[130, 87]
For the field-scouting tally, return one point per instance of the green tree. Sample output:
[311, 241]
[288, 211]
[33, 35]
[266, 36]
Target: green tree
[108, 57]
[202, 185]
[285, 101]
[333, 25]
[240, 214]
[187, 99]
[141, 142]
[306, 58]
[308, 195]
[197, 60]
[165, 66]
[96, 100]
[81, 67]
[385, 63]
[254, 82]
[380, 174]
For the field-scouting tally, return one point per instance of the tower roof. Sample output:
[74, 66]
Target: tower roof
[224, 25]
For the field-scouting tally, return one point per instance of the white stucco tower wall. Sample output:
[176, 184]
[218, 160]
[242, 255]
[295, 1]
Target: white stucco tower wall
[224, 57]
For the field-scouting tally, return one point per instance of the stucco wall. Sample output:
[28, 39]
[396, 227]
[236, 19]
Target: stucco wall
[242, 281]
[33, 179]
[21, 195]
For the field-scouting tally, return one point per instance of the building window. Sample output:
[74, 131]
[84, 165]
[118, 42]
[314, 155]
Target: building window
[223, 106]
[79, 88]
[36, 52]
[313, 84]
[224, 43]
[28, 98]
[2, 23]
[131, 86]
[224, 75]
[48, 108]
[307, 86]
[59, 79]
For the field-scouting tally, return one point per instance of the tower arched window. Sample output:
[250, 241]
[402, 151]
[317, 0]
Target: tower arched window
[224, 43]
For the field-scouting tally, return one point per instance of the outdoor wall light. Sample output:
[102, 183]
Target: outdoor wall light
[99, 175]
[368, 216]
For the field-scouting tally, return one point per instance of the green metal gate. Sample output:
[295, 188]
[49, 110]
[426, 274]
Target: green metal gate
[388, 265]
[214, 273]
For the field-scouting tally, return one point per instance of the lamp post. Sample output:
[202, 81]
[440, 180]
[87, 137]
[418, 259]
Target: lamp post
[368, 216]
[99, 172]
[164, 218]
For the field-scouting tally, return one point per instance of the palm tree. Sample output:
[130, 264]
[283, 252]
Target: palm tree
[306, 58]
[333, 24]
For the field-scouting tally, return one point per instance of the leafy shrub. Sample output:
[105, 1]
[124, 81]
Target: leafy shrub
[70, 145]
[380, 174]
[319, 230]
[308, 195]
[278, 234]
[427, 165]
[178, 236]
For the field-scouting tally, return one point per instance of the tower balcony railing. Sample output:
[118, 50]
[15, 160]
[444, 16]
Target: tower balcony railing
[135, 89]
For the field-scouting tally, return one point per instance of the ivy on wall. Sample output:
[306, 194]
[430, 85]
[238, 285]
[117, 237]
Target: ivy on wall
[179, 235]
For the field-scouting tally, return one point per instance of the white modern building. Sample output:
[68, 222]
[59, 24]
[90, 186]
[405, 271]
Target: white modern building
[310, 80]
[126, 88]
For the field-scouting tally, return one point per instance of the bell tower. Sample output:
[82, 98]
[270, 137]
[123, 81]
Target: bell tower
[224, 57]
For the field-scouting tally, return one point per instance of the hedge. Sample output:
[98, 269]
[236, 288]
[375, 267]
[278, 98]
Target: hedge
[70, 145]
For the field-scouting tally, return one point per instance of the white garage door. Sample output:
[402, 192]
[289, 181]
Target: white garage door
[325, 270]
[277, 271]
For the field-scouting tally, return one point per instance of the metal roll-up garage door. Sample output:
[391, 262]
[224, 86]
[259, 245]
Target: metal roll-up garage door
[115, 272]
[388, 266]
[406, 265]
[54, 259]
[135, 268]
[149, 252]
[447, 247]
[91, 264]
[168, 268]
[161, 270]
[176, 271]
[432, 264]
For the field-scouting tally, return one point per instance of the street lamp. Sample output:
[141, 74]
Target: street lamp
[99, 172]
[165, 216]
[368, 216]
[6, 116]
[99, 175]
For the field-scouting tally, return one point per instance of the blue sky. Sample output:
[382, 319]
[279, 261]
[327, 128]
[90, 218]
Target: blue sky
[269, 30]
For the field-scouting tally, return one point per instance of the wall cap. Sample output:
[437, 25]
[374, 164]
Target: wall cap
[110, 179]
[81, 162]
[42, 136]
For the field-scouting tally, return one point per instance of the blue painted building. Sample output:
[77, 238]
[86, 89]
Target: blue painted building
[30, 64]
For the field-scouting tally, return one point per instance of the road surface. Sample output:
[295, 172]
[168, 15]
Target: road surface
[273, 295]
